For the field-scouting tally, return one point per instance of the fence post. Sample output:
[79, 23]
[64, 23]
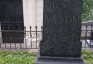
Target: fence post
[31, 36]
[91, 38]
[36, 36]
[0, 35]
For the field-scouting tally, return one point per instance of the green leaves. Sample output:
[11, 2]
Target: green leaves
[17, 57]
[21, 57]
[87, 56]
[87, 10]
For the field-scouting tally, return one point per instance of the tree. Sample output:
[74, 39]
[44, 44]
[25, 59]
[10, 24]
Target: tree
[87, 10]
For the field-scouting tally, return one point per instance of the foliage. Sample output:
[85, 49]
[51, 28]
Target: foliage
[16, 58]
[87, 56]
[87, 10]
[21, 57]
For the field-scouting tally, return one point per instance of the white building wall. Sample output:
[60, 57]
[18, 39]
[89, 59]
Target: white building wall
[39, 14]
[29, 13]
[30, 18]
[33, 13]
[33, 16]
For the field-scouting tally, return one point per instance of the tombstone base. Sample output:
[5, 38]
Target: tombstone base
[57, 60]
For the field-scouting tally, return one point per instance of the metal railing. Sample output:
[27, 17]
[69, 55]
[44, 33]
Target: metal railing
[23, 39]
[87, 36]
[20, 39]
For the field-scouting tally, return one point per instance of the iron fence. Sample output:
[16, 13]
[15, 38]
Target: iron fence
[30, 39]
[87, 36]
[20, 39]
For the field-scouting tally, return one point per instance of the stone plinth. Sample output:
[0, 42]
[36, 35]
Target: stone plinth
[57, 60]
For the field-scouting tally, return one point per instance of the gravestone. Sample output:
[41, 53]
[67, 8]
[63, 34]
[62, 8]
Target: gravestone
[60, 43]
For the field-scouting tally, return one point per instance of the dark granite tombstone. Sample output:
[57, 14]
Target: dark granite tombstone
[61, 33]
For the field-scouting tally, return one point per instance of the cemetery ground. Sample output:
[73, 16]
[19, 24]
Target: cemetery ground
[23, 57]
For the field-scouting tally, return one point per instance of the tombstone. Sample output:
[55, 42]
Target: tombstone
[60, 43]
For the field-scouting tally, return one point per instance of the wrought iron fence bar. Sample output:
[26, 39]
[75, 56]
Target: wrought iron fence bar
[0, 45]
[12, 22]
[10, 45]
[85, 36]
[36, 36]
[20, 46]
[31, 36]
[17, 31]
[85, 30]
[15, 45]
[5, 45]
[90, 34]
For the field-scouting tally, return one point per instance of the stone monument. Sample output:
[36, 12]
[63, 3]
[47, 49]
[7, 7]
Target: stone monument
[60, 43]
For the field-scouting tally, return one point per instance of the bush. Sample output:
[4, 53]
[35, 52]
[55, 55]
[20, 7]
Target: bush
[16, 57]
[21, 57]
[87, 56]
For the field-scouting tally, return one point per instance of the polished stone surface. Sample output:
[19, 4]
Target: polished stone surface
[61, 28]
[57, 60]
